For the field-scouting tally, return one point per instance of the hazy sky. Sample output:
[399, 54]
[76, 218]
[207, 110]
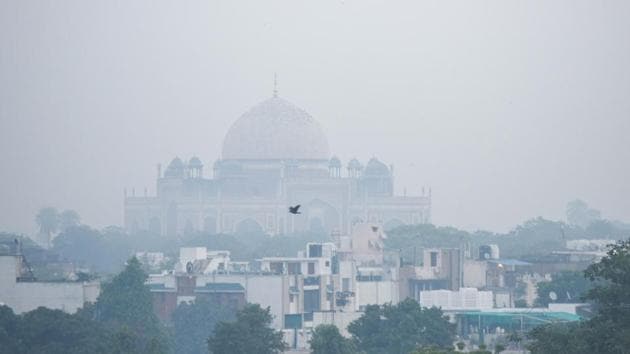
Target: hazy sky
[507, 109]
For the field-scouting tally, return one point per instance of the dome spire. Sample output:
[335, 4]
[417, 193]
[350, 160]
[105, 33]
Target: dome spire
[275, 84]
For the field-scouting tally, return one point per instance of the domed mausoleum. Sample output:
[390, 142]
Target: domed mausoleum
[276, 130]
[274, 155]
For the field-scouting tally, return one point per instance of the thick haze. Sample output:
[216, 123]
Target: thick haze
[507, 109]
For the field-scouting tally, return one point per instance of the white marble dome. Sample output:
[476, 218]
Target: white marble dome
[275, 130]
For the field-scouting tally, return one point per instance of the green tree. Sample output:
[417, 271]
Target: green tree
[608, 331]
[250, 333]
[401, 328]
[126, 301]
[83, 245]
[568, 287]
[326, 339]
[193, 323]
[611, 295]
[559, 338]
[432, 350]
[10, 343]
[579, 213]
[69, 218]
[51, 331]
[48, 221]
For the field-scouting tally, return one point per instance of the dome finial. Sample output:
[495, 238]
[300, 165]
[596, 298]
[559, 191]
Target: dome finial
[275, 84]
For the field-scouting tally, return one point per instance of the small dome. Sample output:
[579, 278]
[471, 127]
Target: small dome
[275, 130]
[175, 168]
[195, 162]
[376, 168]
[334, 162]
[354, 164]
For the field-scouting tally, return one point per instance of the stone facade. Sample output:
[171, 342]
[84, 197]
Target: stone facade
[274, 156]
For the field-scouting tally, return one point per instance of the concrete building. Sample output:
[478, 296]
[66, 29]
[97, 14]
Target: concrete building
[322, 278]
[20, 290]
[464, 298]
[170, 290]
[275, 155]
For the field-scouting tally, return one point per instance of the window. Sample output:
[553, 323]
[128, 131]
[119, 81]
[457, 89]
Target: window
[311, 300]
[434, 256]
[311, 267]
[327, 263]
[294, 268]
[314, 251]
[276, 267]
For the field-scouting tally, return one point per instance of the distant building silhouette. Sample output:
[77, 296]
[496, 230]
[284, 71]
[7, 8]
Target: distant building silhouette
[274, 156]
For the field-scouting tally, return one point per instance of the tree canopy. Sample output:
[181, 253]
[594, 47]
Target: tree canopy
[126, 302]
[250, 333]
[194, 322]
[401, 328]
[608, 331]
[50, 331]
[326, 339]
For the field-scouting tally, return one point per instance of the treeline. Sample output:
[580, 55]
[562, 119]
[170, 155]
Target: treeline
[533, 239]
[105, 251]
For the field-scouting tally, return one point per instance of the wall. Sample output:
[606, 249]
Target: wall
[27, 296]
[266, 290]
[474, 273]
[376, 292]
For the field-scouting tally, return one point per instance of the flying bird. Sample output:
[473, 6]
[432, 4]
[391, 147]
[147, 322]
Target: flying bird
[294, 209]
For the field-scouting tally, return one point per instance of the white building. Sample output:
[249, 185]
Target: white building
[22, 293]
[202, 261]
[273, 156]
[464, 298]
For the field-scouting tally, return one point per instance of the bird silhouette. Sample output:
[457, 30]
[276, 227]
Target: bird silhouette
[374, 228]
[294, 209]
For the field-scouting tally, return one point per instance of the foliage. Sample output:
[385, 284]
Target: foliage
[611, 294]
[579, 213]
[558, 338]
[401, 328]
[609, 330]
[250, 333]
[406, 237]
[432, 350]
[526, 239]
[50, 331]
[84, 246]
[120, 322]
[69, 218]
[568, 287]
[126, 301]
[48, 221]
[327, 340]
[194, 322]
